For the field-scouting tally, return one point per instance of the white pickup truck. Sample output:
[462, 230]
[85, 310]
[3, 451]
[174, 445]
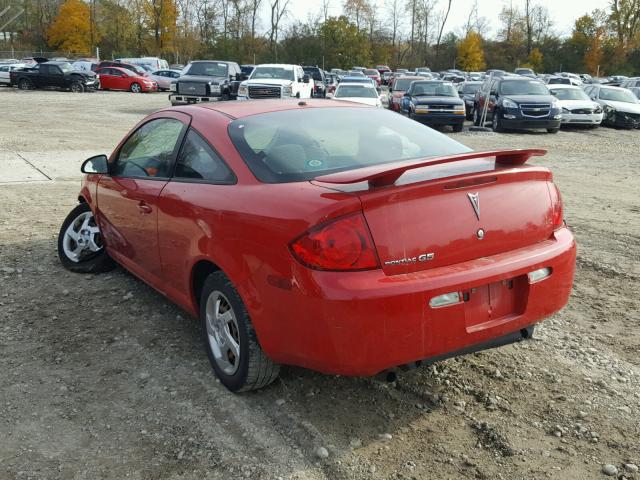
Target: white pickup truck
[276, 80]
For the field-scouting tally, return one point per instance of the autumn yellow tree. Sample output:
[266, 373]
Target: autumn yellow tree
[594, 55]
[162, 16]
[535, 60]
[470, 53]
[71, 29]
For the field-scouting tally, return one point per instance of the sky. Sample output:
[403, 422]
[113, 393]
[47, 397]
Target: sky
[563, 12]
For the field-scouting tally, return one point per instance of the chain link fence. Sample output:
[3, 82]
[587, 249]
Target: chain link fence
[18, 54]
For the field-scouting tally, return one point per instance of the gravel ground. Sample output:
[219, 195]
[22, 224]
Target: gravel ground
[102, 377]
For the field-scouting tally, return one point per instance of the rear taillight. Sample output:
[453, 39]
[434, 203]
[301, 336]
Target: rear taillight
[557, 215]
[342, 244]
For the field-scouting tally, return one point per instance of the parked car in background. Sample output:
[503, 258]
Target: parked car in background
[382, 68]
[577, 107]
[276, 80]
[137, 69]
[355, 73]
[434, 102]
[621, 107]
[358, 93]
[562, 81]
[385, 77]
[4, 72]
[85, 65]
[60, 75]
[206, 81]
[357, 79]
[635, 91]
[115, 78]
[247, 69]
[374, 75]
[176, 66]
[525, 72]
[291, 229]
[467, 92]
[153, 63]
[33, 60]
[164, 78]
[397, 90]
[615, 80]
[318, 79]
[519, 103]
[631, 82]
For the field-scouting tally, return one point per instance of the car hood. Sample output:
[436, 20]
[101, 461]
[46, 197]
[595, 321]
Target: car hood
[365, 101]
[531, 98]
[428, 100]
[201, 78]
[268, 81]
[573, 104]
[623, 106]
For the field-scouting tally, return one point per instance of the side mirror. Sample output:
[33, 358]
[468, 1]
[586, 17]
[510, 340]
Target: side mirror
[305, 78]
[97, 164]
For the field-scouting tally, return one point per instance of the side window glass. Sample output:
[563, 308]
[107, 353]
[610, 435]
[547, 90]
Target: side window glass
[149, 152]
[198, 161]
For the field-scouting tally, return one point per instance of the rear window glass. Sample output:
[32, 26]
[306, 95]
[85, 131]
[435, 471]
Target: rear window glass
[298, 145]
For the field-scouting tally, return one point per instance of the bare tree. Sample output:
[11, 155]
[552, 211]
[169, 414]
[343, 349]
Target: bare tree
[394, 14]
[254, 7]
[441, 30]
[278, 11]
[326, 4]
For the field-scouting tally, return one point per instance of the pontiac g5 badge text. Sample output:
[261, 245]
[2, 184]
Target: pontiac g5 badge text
[474, 198]
[405, 261]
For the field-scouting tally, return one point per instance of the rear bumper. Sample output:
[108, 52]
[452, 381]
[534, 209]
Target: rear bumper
[362, 323]
[439, 118]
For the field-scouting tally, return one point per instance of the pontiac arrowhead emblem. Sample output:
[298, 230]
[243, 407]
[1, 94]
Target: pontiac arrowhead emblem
[474, 198]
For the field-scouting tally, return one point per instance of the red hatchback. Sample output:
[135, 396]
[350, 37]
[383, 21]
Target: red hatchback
[328, 235]
[116, 78]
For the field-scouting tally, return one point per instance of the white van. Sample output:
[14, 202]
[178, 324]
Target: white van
[154, 62]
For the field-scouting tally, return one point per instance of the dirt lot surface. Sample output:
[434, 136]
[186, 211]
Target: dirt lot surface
[101, 377]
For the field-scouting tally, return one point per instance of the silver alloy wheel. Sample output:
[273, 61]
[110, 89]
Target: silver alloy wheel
[135, 88]
[76, 87]
[82, 238]
[223, 332]
[494, 121]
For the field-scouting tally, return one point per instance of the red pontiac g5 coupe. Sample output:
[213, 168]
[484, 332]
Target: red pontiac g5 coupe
[333, 236]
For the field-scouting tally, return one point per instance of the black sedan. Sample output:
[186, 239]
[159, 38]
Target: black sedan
[434, 102]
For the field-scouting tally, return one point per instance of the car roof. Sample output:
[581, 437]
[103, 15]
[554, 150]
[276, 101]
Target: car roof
[235, 110]
[356, 84]
[563, 86]
[210, 61]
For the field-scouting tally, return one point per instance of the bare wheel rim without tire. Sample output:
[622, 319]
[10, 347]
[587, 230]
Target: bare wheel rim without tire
[222, 332]
[82, 238]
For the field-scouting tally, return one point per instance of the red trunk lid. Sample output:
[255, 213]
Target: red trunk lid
[427, 218]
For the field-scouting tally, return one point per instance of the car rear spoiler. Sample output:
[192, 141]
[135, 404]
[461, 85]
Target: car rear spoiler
[387, 173]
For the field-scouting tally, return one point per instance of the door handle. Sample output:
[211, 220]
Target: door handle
[144, 208]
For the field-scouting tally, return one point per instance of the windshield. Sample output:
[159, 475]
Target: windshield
[471, 87]
[279, 73]
[209, 69]
[433, 89]
[370, 71]
[617, 95]
[403, 83]
[570, 94]
[532, 87]
[65, 67]
[298, 145]
[524, 71]
[361, 91]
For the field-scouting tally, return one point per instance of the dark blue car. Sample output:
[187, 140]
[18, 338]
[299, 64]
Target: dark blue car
[434, 102]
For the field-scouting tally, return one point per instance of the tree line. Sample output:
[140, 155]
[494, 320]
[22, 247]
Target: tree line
[400, 33]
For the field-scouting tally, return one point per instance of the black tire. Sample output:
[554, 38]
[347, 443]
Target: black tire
[136, 87]
[496, 124]
[25, 84]
[90, 262]
[77, 87]
[457, 128]
[225, 96]
[254, 370]
[553, 130]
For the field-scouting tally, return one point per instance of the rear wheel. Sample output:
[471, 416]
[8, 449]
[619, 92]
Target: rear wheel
[77, 87]
[457, 128]
[80, 245]
[476, 116]
[496, 123]
[25, 84]
[225, 96]
[230, 339]
[136, 88]
[553, 130]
